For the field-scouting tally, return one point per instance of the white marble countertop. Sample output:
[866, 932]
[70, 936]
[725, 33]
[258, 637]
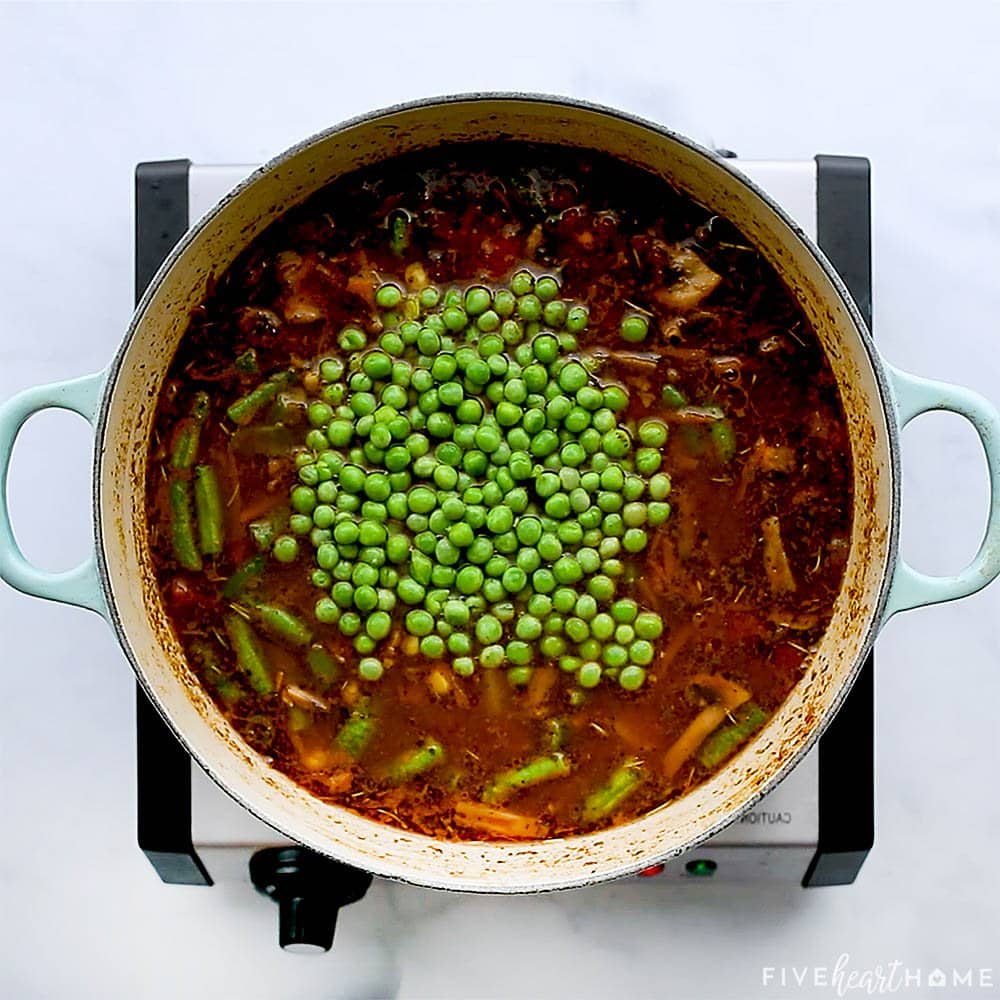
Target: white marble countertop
[87, 91]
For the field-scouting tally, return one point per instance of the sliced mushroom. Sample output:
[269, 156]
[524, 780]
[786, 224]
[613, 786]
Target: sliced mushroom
[696, 282]
[301, 309]
[292, 694]
[776, 565]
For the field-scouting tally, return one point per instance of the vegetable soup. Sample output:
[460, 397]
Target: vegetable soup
[499, 492]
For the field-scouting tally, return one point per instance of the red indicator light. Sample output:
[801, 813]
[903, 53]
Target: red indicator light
[652, 870]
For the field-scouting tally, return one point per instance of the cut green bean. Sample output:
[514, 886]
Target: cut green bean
[723, 440]
[281, 625]
[298, 719]
[185, 451]
[429, 754]
[356, 733]
[250, 658]
[247, 362]
[182, 525]
[725, 740]
[247, 407]
[673, 397]
[556, 733]
[209, 509]
[207, 659]
[263, 533]
[323, 666]
[606, 799]
[244, 577]
[507, 783]
[399, 228]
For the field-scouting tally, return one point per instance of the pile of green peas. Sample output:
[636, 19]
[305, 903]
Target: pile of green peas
[468, 477]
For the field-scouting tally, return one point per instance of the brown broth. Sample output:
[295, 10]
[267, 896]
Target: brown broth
[611, 231]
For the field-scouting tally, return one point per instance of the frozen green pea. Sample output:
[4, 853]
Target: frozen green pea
[577, 629]
[653, 433]
[428, 297]
[518, 652]
[615, 656]
[327, 611]
[546, 288]
[648, 625]
[528, 627]
[489, 630]
[634, 540]
[659, 488]
[522, 282]
[634, 514]
[632, 677]
[552, 646]
[285, 549]
[625, 610]
[370, 668]
[576, 319]
[464, 666]
[633, 328]
[616, 443]
[419, 622]
[648, 461]
[529, 308]
[641, 652]
[569, 664]
[459, 644]
[432, 646]
[491, 657]
[388, 296]
[378, 624]
[511, 331]
[570, 532]
[567, 570]
[409, 591]
[564, 599]
[602, 626]
[601, 587]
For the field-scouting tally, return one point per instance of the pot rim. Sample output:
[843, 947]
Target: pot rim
[885, 397]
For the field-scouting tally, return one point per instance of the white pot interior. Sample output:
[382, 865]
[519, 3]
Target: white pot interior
[157, 656]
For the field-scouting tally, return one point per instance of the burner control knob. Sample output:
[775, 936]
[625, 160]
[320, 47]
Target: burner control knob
[309, 890]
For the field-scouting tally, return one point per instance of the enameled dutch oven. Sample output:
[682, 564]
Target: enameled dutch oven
[117, 580]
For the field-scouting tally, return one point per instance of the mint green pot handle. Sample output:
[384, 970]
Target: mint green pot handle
[914, 395]
[81, 585]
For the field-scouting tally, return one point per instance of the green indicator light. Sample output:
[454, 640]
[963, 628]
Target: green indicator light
[701, 867]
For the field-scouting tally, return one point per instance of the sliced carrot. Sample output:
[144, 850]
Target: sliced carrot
[705, 722]
[731, 695]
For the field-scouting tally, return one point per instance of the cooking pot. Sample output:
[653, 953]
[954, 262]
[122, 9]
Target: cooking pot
[117, 580]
